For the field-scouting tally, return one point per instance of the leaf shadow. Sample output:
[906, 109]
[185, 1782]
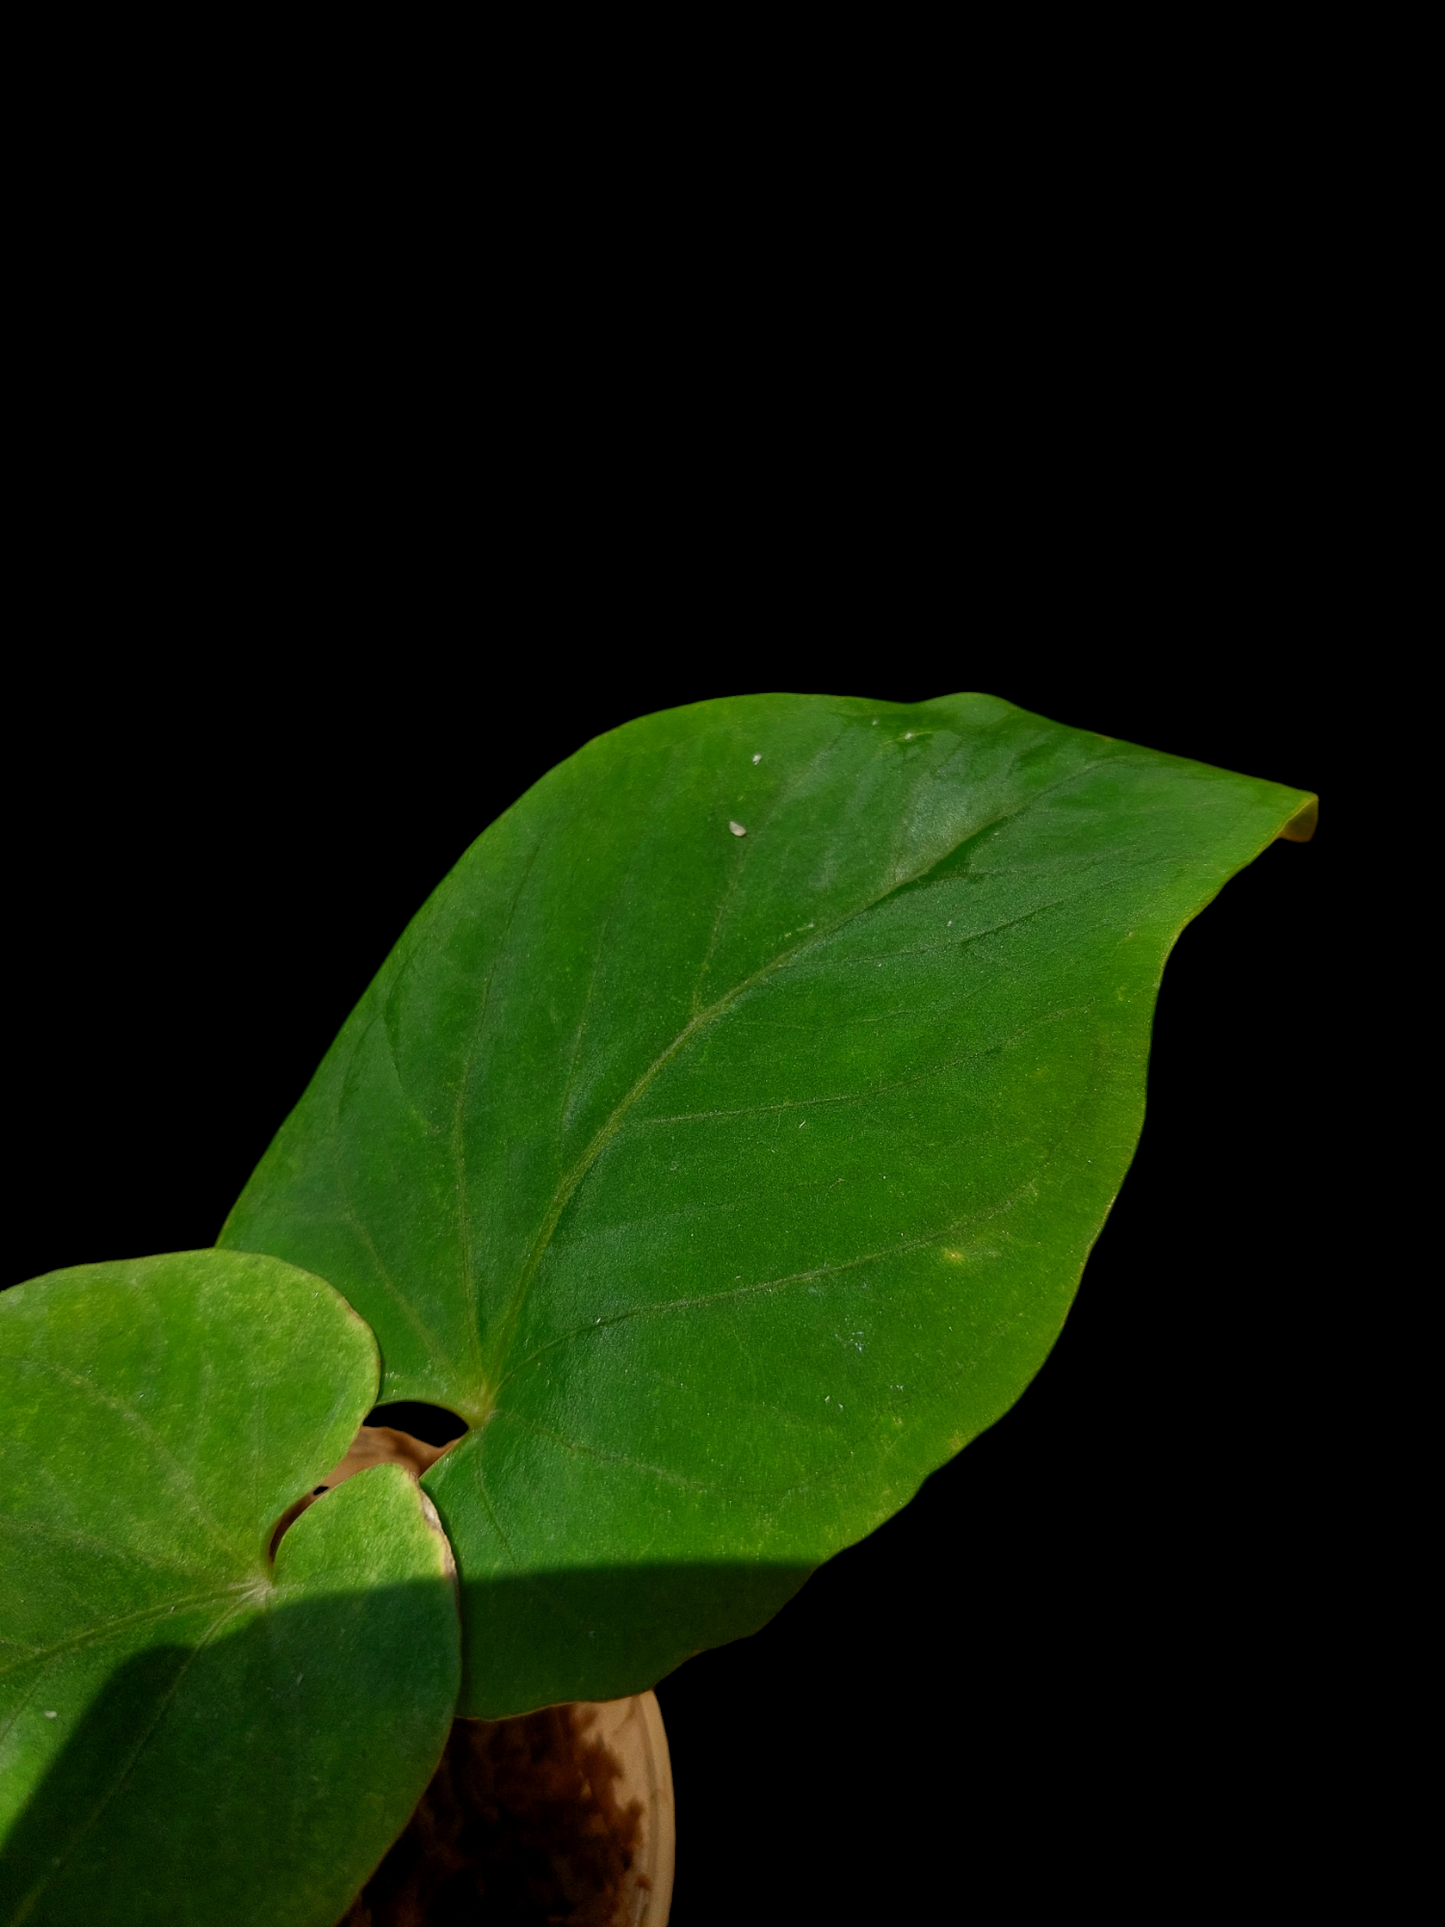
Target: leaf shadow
[261, 1775]
[602, 1634]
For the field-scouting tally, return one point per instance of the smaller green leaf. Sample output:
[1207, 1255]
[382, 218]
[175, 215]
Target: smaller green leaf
[189, 1733]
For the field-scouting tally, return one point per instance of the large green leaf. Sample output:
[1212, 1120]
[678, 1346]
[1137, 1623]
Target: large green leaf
[187, 1732]
[725, 1137]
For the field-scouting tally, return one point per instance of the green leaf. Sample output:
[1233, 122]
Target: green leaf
[725, 1137]
[187, 1732]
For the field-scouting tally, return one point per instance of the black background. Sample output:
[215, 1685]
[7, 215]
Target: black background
[1081, 1653]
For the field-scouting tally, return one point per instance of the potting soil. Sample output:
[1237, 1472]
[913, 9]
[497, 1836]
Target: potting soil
[520, 1827]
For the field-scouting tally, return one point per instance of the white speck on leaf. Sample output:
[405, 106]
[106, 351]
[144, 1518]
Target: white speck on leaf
[908, 735]
[759, 757]
[50, 1716]
[737, 829]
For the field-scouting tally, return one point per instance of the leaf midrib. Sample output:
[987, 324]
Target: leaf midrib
[38, 1655]
[57, 1865]
[177, 1474]
[572, 1179]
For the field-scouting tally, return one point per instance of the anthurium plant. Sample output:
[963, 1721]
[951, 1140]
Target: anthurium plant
[720, 1148]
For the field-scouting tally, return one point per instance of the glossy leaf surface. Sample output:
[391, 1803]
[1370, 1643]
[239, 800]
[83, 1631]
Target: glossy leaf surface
[725, 1137]
[188, 1733]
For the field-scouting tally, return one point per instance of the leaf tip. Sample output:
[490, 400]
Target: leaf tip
[1302, 825]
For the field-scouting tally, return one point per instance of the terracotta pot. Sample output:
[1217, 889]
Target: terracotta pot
[633, 1734]
[534, 1811]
